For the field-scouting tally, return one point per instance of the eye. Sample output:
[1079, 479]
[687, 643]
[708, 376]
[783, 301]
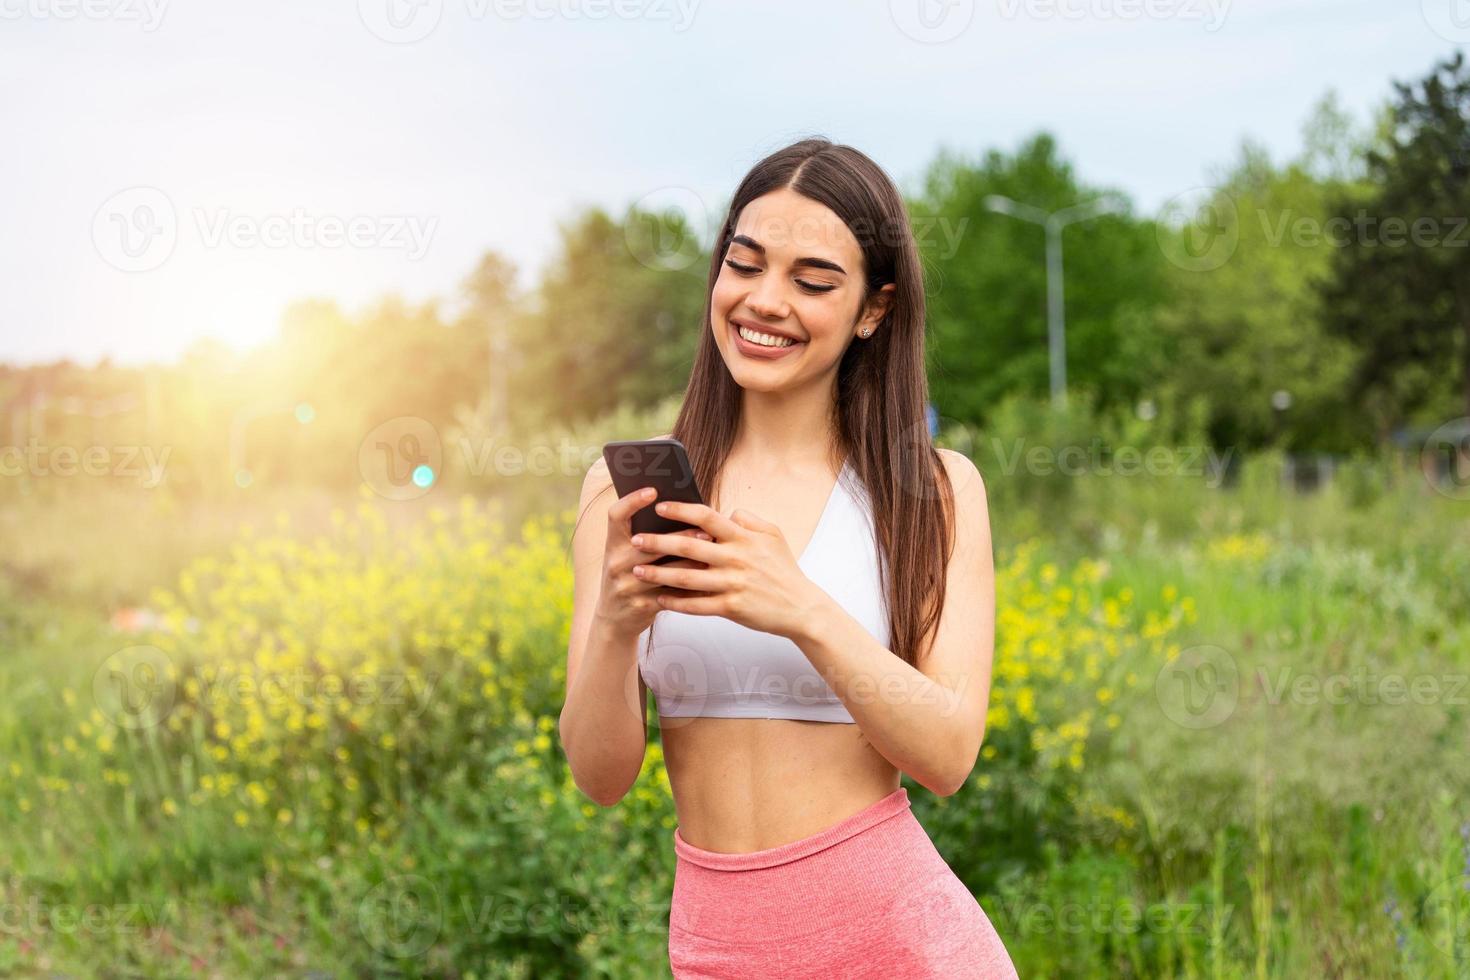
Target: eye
[749, 270]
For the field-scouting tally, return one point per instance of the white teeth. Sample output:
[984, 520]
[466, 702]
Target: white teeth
[765, 339]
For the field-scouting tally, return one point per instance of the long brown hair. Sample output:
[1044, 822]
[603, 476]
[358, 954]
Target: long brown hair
[878, 417]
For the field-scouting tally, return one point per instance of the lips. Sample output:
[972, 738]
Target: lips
[735, 324]
[756, 351]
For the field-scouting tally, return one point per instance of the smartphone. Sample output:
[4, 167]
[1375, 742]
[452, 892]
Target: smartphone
[659, 463]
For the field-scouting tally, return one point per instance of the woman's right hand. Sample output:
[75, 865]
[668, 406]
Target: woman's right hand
[628, 603]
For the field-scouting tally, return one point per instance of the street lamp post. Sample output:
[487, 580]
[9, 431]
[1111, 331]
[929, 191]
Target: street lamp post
[1054, 222]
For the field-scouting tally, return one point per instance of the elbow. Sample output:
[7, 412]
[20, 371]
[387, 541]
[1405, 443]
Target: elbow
[599, 790]
[600, 796]
[953, 778]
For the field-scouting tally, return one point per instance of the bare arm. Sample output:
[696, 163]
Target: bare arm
[603, 724]
[928, 721]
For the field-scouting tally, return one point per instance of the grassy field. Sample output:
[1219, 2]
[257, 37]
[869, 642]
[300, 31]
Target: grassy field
[1227, 739]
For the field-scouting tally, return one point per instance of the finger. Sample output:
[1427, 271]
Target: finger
[684, 545]
[688, 579]
[749, 520]
[703, 605]
[700, 515]
[623, 509]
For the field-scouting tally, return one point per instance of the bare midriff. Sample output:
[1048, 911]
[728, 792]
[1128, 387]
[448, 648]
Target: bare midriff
[749, 784]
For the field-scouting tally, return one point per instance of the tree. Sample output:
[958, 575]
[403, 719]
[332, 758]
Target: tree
[1243, 320]
[987, 285]
[616, 320]
[1401, 290]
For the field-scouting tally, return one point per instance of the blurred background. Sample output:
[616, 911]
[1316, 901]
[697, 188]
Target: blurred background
[316, 316]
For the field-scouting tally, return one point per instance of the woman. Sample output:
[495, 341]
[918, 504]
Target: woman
[795, 677]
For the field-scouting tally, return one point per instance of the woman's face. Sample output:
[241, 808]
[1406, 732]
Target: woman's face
[793, 275]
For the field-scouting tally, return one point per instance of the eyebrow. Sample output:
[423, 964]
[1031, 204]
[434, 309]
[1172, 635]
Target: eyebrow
[809, 260]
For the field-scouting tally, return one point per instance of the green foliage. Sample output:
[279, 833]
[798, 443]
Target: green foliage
[987, 285]
[1244, 322]
[617, 318]
[1401, 295]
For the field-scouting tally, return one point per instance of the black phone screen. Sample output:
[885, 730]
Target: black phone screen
[659, 463]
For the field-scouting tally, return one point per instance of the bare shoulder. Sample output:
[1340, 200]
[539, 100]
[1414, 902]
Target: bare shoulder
[595, 481]
[963, 474]
[972, 508]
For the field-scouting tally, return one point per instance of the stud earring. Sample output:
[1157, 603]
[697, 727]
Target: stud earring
[866, 331]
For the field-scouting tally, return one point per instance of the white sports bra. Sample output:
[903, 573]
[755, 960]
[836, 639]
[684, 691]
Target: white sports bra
[712, 667]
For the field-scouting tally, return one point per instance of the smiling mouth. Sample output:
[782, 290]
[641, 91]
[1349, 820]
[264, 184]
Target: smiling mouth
[763, 339]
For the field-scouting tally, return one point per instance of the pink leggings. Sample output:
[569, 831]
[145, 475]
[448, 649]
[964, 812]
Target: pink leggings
[867, 897]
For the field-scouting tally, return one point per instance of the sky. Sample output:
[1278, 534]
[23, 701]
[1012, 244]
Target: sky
[181, 169]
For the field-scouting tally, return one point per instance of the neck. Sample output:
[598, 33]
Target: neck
[788, 428]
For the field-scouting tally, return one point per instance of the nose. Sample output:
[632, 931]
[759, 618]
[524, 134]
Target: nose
[765, 299]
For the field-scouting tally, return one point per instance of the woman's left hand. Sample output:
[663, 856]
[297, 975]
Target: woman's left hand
[751, 579]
